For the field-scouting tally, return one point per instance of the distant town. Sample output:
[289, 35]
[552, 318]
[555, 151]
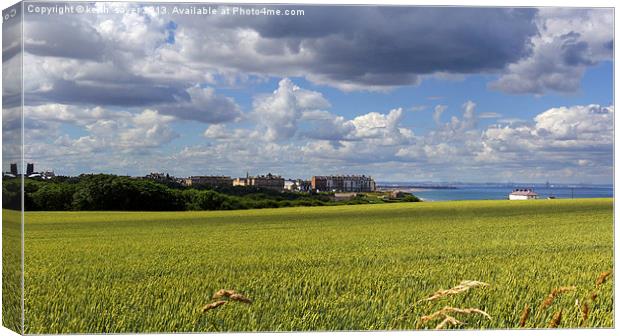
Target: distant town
[325, 183]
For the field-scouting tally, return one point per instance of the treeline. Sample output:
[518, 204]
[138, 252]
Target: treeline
[111, 192]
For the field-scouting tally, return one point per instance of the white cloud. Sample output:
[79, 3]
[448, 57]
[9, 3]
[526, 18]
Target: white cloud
[222, 132]
[279, 112]
[489, 115]
[134, 33]
[62, 113]
[148, 129]
[469, 115]
[99, 135]
[439, 110]
[323, 125]
[383, 128]
[592, 123]
[570, 40]
[563, 134]
[297, 115]
[141, 49]
[418, 108]
[559, 137]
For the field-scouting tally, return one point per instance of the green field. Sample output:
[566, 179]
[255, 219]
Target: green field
[358, 267]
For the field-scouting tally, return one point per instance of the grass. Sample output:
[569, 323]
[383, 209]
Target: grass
[11, 270]
[360, 267]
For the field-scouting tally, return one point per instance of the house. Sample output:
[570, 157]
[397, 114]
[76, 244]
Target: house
[522, 194]
[303, 185]
[160, 177]
[396, 194]
[343, 183]
[210, 181]
[298, 185]
[268, 181]
[290, 185]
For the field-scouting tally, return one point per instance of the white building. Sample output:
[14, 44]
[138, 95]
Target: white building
[290, 185]
[522, 194]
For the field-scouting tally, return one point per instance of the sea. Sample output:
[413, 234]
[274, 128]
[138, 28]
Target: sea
[490, 191]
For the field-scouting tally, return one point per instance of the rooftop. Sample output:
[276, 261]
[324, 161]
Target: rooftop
[524, 192]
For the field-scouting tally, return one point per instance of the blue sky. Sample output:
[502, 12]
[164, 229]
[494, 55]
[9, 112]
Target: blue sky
[524, 95]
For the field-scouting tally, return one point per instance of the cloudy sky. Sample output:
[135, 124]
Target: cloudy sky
[400, 93]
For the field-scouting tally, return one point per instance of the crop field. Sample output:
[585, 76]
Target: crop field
[11, 270]
[475, 264]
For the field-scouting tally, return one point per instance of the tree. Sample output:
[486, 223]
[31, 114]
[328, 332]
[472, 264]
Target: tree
[54, 196]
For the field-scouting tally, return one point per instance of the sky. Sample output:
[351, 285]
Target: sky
[399, 93]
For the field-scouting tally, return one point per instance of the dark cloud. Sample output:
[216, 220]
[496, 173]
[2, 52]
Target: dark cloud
[11, 100]
[11, 32]
[570, 40]
[387, 46]
[204, 105]
[575, 52]
[11, 58]
[132, 60]
[427, 40]
[58, 36]
[127, 94]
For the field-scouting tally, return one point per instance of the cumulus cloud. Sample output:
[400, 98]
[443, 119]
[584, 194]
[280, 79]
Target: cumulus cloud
[99, 136]
[104, 58]
[563, 134]
[116, 60]
[570, 40]
[323, 125]
[119, 82]
[221, 132]
[57, 37]
[469, 115]
[291, 110]
[11, 61]
[203, 104]
[576, 138]
[61, 113]
[148, 129]
[298, 115]
[439, 110]
[564, 144]
[453, 142]
[280, 111]
[400, 45]
[238, 157]
[382, 127]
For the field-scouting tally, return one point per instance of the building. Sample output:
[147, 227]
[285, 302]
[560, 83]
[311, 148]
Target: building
[268, 181]
[344, 183]
[290, 185]
[210, 181]
[298, 185]
[241, 182]
[48, 175]
[522, 194]
[396, 194]
[160, 177]
[304, 185]
[29, 169]
[14, 169]
[45, 175]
